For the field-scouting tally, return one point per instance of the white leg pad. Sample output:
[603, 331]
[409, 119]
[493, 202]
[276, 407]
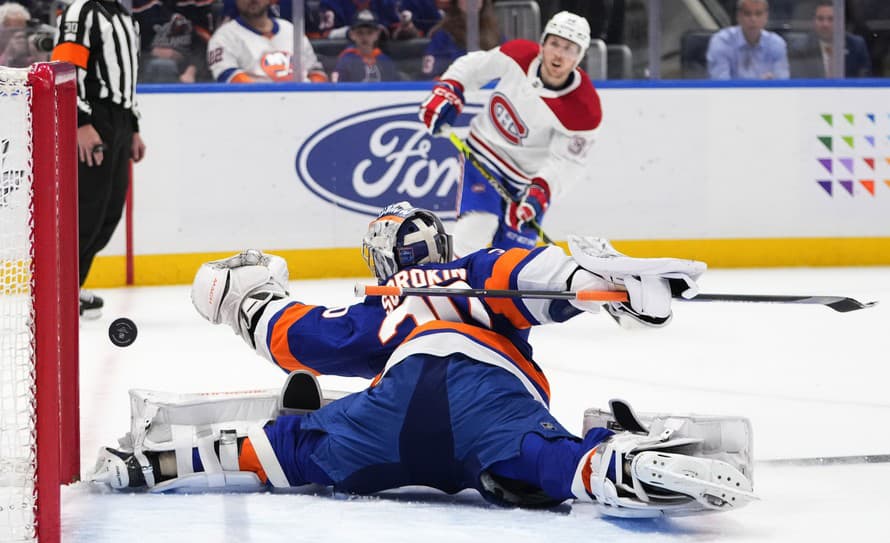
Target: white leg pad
[164, 421]
[685, 465]
[726, 438]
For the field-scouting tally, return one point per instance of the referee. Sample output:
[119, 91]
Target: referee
[101, 40]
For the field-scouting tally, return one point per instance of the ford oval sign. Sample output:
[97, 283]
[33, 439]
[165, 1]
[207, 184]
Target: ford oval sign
[372, 158]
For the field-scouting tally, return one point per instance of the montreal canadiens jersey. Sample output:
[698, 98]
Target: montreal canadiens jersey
[359, 340]
[239, 53]
[527, 130]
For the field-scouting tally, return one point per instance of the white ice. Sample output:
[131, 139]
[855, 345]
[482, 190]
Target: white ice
[814, 382]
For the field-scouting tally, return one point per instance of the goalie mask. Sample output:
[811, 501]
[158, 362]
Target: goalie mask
[403, 236]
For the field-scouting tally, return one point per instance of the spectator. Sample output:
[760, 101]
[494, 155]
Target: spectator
[814, 60]
[606, 17]
[364, 63]
[257, 47]
[448, 39]
[282, 9]
[173, 47]
[747, 50]
[337, 15]
[18, 33]
[99, 37]
[425, 14]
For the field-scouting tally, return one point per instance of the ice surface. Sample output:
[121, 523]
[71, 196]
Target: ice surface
[813, 381]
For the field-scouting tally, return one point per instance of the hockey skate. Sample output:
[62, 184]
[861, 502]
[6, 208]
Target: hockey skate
[668, 466]
[90, 305]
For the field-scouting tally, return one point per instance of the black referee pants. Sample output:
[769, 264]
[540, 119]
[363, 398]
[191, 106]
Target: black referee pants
[102, 190]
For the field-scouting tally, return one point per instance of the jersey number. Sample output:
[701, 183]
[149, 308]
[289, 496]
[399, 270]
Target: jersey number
[423, 309]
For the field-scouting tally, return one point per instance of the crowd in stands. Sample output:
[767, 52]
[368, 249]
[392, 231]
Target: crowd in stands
[185, 41]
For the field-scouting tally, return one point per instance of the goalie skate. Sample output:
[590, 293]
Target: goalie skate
[714, 484]
[668, 465]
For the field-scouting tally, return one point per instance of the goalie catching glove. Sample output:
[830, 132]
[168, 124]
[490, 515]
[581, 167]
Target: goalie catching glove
[441, 108]
[236, 290]
[651, 283]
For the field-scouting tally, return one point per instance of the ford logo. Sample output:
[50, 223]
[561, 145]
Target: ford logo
[372, 158]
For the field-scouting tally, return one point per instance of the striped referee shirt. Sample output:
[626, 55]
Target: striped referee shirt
[101, 39]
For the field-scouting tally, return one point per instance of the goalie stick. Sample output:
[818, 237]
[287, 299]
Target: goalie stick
[838, 303]
[495, 184]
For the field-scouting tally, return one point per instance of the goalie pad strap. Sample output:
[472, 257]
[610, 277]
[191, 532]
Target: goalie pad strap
[182, 438]
[266, 456]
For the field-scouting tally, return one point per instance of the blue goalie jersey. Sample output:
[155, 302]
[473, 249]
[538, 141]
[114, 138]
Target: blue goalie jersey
[358, 340]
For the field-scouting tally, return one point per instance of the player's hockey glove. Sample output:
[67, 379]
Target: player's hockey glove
[442, 107]
[533, 203]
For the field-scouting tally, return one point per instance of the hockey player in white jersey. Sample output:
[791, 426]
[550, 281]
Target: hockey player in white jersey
[534, 134]
[255, 47]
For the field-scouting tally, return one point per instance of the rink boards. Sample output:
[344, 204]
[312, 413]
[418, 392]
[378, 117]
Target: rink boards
[756, 175]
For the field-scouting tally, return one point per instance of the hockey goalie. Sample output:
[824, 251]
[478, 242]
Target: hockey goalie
[456, 401]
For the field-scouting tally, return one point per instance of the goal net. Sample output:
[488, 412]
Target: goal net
[39, 433]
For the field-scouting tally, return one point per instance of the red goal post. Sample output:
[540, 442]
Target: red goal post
[39, 389]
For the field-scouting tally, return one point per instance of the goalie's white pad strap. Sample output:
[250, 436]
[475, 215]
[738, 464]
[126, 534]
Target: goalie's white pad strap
[212, 468]
[266, 456]
[183, 439]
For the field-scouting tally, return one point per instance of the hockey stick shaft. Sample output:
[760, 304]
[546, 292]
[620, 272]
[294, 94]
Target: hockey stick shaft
[581, 295]
[838, 303]
[495, 184]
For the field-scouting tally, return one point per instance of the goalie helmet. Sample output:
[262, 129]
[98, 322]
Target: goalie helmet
[570, 26]
[402, 236]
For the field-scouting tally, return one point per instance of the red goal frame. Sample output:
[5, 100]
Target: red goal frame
[54, 287]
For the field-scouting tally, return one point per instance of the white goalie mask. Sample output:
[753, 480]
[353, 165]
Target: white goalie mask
[403, 236]
[570, 26]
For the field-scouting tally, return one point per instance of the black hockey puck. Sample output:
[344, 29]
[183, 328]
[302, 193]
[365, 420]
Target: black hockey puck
[122, 332]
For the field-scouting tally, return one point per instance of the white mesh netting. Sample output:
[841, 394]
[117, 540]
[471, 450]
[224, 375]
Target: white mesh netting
[17, 418]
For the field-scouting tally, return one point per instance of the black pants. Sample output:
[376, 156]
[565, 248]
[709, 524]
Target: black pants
[102, 190]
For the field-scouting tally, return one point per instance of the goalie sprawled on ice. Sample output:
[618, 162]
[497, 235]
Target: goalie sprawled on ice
[456, 402]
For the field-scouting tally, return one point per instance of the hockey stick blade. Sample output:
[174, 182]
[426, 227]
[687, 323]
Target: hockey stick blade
[838, 303]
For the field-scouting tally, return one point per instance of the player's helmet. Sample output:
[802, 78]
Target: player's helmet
[402, 236]
[574, 28]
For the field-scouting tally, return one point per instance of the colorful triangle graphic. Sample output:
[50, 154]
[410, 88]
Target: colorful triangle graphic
[847, 163]
[849, 140]
[826, 141]
[887, 182]
[870, 162]
[826, 163]
[887, 159]
[870, 140]
[828, 118]
[869, 185]
[848, 185]
[826, 185]
[871, 117]
[849, 117]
